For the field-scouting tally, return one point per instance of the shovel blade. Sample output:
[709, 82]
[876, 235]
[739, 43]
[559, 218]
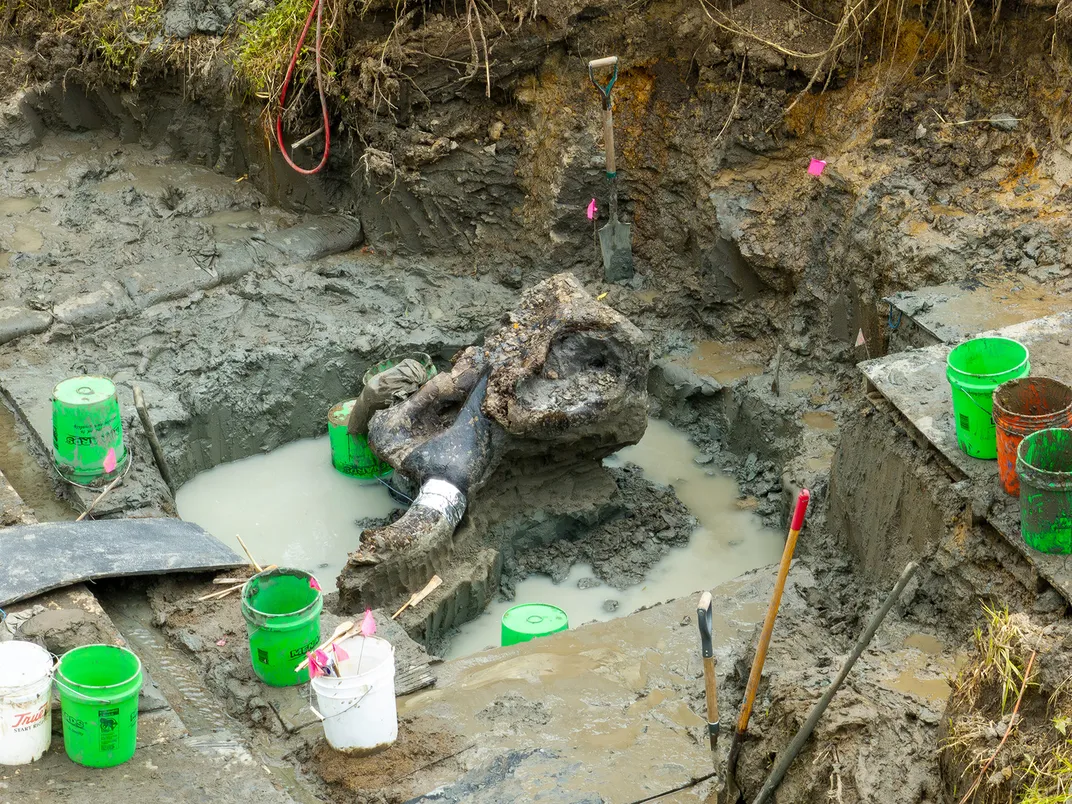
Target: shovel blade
[616, 242]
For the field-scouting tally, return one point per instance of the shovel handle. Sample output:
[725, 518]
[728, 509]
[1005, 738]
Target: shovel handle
[608, 114]
[705, 621]
[772, 612]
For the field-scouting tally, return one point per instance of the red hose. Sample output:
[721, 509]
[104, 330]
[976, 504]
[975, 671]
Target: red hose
[317, 9]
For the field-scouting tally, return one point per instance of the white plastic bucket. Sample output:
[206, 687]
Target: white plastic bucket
[359, 707]
[25, 702]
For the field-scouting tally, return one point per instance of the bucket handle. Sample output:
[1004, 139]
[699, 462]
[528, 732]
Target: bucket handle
[989, 413]
[322, 718]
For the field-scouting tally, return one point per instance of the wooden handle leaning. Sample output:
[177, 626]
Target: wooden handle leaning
[772, 613]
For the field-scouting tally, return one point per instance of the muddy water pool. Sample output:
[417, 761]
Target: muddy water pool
[290, 506]
[293, 509]
[728, 542]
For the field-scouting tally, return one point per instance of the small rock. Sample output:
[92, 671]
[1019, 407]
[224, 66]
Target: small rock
[588, 583]
[610, 606]
[1003, 121]
[704, 459]
[921, 131]
[495, 130]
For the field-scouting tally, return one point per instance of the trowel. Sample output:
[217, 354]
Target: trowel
[705, 620]
[615, 239]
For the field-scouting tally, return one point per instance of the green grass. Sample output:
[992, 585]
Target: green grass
[265, 46]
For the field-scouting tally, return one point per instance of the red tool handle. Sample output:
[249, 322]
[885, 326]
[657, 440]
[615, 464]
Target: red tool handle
[802, 506]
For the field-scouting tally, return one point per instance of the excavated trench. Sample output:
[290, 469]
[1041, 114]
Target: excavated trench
[151, 236]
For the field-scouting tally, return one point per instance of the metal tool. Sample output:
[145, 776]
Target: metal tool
[785, 758]
[705, 620]
[615, 239]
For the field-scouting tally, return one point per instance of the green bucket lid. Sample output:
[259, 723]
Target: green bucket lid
[340, 414]
[84, 391]
[531, 620]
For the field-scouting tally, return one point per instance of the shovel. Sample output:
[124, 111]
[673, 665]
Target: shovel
[615, 239]
[705, 620]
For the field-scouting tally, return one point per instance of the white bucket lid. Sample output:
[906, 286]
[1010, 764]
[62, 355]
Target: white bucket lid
[22, 664]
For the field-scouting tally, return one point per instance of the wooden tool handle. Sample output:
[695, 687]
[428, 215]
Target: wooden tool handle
[772, 613]
[711, 688]
[608, 139]
[607, 61]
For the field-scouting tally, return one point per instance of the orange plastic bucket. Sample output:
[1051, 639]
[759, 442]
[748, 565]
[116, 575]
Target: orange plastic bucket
[1023, 407]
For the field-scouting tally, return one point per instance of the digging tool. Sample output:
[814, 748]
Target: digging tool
[417, 597]
[765, 635]
[705, 620]
[615, 238]
[785, 759]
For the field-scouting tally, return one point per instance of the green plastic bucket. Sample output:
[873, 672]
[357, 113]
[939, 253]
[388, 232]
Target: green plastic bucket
[1044, 466]
[87, 431]
[99, 687]
[974, 369]
[282, 612]
[532, 620]
[352, 455]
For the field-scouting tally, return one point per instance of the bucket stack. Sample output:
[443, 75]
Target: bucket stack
[1025, 423]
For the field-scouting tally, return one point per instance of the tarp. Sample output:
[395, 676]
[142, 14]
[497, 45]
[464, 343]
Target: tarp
[50, 555]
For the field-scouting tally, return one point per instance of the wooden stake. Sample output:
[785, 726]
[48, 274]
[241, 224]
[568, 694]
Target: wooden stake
[154, 442]
[100, 497]
[414, 599]
[219, 593]
[249, 555]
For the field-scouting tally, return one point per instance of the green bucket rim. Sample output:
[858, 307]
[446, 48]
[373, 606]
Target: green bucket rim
[63, 681]
[317, 600]
[549, 607]
[340, 407]
[1034, 474]
[976, 342]
[82, 377]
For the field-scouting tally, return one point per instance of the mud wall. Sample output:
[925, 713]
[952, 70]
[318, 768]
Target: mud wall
[890, 503]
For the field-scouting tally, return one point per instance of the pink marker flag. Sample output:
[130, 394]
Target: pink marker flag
[368, 624]
[314, 584]
[860, 338]
[340, 654]
[318, 663]
[109, 460]
[815, 167]
[593, 210]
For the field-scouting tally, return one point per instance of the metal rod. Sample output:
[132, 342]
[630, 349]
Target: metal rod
[786, 758]
[306, 138]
